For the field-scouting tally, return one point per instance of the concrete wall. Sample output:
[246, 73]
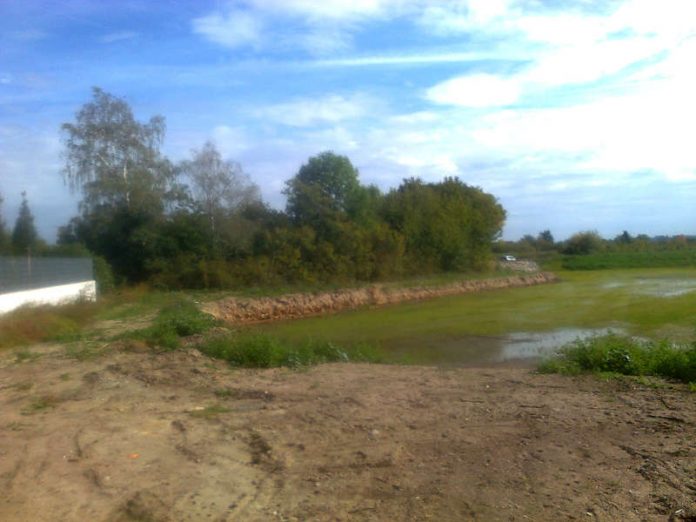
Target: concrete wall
[53, 295]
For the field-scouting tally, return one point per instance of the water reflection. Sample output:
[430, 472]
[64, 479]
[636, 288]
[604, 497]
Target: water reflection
[516, 349]
[667, 286]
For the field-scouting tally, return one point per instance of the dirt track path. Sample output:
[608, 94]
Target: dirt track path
[136, 436]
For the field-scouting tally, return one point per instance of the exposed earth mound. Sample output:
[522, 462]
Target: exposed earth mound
[127, 435]
[292, 306]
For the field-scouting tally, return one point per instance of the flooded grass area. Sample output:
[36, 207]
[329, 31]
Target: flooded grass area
[518, 349]
[515, 326]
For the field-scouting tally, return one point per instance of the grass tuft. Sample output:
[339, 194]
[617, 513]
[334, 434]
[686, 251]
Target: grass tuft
[624, 355]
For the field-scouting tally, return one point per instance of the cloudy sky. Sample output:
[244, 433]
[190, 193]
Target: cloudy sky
[576, 114]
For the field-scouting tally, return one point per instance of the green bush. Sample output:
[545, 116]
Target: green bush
[179, 319]
[624, 355]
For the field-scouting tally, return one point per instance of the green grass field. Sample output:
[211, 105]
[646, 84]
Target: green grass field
[653, 303]
[618, 260]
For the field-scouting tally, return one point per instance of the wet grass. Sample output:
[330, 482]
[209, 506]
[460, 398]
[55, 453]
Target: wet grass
[619, 354]
[584, 300]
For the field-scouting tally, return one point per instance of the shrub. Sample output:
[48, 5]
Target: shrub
[103, 275]
[179, 319]
[625, 355]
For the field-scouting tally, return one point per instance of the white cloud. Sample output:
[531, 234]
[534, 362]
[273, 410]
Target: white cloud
[317, 111]
[476, 90]
[231, 141]
[328, 9]
[234, 28]
[324, 41]
[421, 59]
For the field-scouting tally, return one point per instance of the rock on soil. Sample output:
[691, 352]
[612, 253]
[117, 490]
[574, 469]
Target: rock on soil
[292, 306]
[133, 435]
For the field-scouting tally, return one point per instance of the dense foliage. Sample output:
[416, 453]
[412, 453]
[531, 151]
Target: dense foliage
[202, 223]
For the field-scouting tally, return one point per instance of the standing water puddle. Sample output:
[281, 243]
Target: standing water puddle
[666, 286]
[523, 349]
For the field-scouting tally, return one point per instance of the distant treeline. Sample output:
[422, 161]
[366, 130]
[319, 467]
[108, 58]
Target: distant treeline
[589, 251]
[201, 223]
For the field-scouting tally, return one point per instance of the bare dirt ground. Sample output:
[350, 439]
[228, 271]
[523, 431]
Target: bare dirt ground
[133, 435]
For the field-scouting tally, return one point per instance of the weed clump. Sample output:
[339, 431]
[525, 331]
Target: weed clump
[625, 355]
[263, 351]
[179, 319]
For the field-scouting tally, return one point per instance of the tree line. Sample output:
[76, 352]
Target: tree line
[201, 223]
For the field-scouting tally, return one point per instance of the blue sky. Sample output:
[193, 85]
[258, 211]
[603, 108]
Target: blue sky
[576, 114]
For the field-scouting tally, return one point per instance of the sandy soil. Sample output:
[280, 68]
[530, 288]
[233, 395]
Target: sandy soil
[132, 435]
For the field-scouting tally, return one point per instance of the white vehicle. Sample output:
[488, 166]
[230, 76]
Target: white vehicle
[509, 258]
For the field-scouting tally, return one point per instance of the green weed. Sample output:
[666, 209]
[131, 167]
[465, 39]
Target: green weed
[181, 318]
[619, 354]
[264, 351]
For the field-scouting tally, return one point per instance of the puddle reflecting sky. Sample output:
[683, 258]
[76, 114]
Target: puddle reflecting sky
[515, 349]
[657, 286]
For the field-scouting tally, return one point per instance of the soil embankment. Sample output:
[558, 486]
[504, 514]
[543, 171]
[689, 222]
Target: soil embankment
[294, 306]
[133, 435]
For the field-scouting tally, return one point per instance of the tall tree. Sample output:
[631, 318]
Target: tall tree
[127, 184]
[322, 192]
[113, 159]
[24, 235]
[219, 186]
[447, 225]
